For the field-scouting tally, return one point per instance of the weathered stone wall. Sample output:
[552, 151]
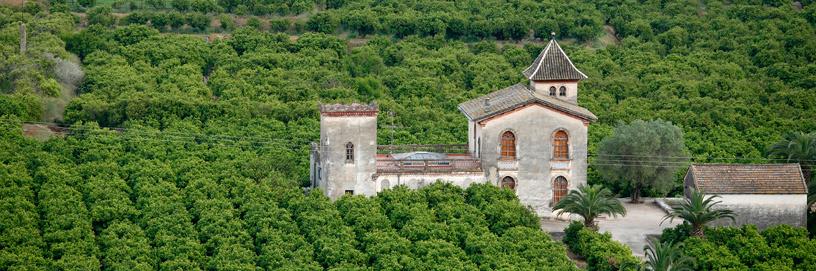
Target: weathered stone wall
[765, 210]
[534, 127]
[543, 88]
[337, 175]
[415, 181]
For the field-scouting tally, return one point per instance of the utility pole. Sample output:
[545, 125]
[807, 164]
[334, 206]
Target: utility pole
[22, 38]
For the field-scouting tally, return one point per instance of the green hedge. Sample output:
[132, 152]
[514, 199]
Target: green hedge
[26, 107]
[780, 247]
[600, 251]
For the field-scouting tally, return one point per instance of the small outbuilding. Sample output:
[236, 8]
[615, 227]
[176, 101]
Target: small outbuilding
[759, 194]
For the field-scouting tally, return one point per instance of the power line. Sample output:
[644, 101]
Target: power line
[694, 157]
[268, 143]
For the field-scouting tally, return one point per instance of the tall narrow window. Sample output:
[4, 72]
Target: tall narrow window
[562, 91]
[559, 189]
[349, 152]
[508, 182]
[552, 91]
[560, 145]
[508, 146]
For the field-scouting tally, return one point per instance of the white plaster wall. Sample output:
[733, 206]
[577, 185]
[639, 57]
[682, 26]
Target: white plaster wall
[339, 176]
[416, 181]
[543, 87]
[471, 137]
[534, 127]
[765, 210]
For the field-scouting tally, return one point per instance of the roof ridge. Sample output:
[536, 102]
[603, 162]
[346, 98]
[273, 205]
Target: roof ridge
[569, 60]
[541, 58]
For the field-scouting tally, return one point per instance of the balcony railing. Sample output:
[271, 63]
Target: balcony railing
[428, 166]
[439, 148]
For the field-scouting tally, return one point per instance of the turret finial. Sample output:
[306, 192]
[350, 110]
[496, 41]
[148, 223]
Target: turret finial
[552, 35]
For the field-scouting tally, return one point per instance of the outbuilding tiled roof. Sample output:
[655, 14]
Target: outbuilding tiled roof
[748, 178]
[553, 64]
[516, 96]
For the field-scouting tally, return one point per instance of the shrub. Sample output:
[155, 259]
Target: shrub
[777, 248]
[227, 23]
[101, 15]
[279, 25]
[709, 256]
[599, 250]
[677, 234]
[322, 22]
[198, 21]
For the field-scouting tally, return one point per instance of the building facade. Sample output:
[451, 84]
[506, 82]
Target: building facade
[531, 138]
[760, 194]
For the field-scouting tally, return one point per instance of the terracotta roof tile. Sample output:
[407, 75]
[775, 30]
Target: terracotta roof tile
[515, 96]
[748, 178]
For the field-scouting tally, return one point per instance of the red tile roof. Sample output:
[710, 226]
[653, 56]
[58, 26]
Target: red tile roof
[748, 178]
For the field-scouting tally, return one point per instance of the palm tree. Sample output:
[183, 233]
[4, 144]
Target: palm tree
[590, 202]
[698, 210]
[666, 257]
[797, 148]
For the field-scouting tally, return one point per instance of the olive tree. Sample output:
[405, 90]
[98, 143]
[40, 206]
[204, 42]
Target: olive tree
[642, 154]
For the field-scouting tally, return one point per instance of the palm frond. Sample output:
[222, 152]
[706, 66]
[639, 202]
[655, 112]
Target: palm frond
[589, 202]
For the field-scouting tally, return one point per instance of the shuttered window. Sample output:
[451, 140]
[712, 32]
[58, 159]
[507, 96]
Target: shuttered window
[508, 146]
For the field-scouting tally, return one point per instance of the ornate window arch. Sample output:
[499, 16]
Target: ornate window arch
[562, 91]
[552, 91]
[560, 188]
[349, 152]
[509, 183]
[560, 145]
[508, 146]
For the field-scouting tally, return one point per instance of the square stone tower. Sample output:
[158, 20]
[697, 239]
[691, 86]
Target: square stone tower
[344, 161]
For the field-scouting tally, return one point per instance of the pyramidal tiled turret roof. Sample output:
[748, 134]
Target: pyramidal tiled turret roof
[553, 64]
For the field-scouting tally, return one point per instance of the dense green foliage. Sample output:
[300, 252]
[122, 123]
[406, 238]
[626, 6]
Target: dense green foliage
[779, 247]
[131, 201]
[590, 202]
[25, 78]
[600, 251]
[734, 77]
[666, 256]
[206, 171]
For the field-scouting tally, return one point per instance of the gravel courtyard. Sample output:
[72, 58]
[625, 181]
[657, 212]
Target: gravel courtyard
[640, 221]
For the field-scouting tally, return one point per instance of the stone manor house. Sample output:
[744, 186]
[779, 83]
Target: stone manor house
[531, 138]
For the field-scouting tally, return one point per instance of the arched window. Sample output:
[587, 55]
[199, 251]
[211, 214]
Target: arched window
[559, 189]
[560, 145]
[552, 91]
[385, 184]
[508, 182]
[349, 152]
[508, 146]
[562, 91]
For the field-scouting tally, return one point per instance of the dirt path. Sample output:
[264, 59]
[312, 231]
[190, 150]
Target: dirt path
[641, 221]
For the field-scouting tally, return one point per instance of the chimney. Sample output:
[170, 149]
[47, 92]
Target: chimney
[22, 38]
[487, 102]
